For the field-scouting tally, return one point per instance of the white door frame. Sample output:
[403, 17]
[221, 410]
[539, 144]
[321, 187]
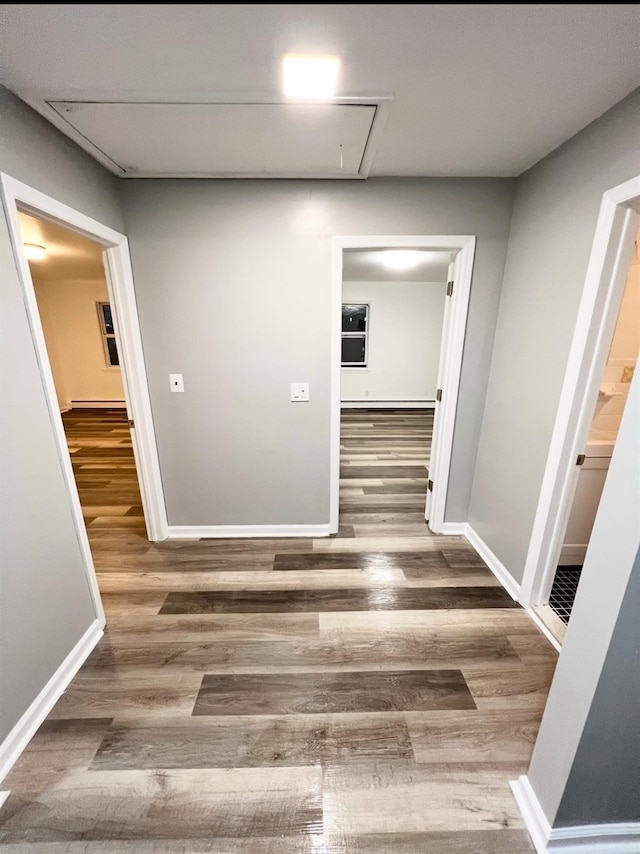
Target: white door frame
[453, 334]
[19, 196]
[604, 284]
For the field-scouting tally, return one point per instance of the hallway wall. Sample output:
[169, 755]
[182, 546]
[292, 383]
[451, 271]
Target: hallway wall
[554, 217]
[233, 287]
[45, 605]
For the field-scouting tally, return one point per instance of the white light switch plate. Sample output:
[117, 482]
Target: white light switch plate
[176, 383]
[299, 392]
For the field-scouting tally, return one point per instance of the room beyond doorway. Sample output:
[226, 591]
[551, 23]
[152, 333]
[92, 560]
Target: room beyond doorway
[19, 197]
[105, 471]
[79, 328]
[461, 250]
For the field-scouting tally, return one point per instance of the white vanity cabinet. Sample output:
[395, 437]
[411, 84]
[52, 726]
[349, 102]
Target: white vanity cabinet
[591, 478]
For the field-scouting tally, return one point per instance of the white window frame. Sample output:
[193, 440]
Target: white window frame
[357, 366]
[105, 336]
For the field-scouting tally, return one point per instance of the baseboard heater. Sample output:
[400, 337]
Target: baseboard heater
[97, 404]
[372, 403]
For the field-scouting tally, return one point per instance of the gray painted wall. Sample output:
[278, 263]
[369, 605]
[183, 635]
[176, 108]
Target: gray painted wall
[554, 217]
[609, 750]
[599, 653]
[233, 288]
[45, 605]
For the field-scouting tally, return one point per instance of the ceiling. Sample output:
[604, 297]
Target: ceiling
[69, 255]
[365, 265]
[448, 90]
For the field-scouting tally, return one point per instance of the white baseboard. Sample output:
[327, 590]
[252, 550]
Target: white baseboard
[98, 404]
[495, 565]
[623, 838]
[26, 727]
[453, 528]
[200, 532]
[534, 818]
[372, 403]
[572, 555]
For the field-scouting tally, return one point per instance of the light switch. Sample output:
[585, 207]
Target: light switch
[176, 383]
[299, 392]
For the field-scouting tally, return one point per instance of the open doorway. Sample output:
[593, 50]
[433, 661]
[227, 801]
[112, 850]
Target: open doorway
[122, 317]
[382, 362]
[393, 304]
[77, 318]
[593, 464]
[593, 379]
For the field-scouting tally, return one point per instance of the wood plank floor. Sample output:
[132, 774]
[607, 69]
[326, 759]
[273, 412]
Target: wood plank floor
[369, 693]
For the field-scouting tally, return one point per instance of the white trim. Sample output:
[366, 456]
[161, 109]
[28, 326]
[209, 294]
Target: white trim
[198, 532]
[335, 355]
[372, 403]
[572, 554]
[42, 102]
[26, 727]
[494, 563]
[450, 366]
[3, 797]
[454, 528]
[534, 818]
[597, 313]
[136, 390]
[97, 404]
[620, 838]
[122, 297]
[449, 371]
[553, 640]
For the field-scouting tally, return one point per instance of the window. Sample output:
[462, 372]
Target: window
[355, 329]
[108, 334]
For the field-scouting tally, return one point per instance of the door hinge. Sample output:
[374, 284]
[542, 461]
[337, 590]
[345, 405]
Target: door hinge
[439, 394]
[131, 423]
[430, 485]
[449, 288]
[580, 459]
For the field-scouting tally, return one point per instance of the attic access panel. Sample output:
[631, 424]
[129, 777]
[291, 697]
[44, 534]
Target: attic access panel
[223, 140]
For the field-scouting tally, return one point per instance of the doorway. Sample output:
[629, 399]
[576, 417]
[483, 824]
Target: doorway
[603, 430]
[77, 320]
[355, 345]
[122, 319]
[592, 381]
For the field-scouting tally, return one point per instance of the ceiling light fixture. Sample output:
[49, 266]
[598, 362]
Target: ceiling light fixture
[401, 259]
[309, 76]
[34, 251]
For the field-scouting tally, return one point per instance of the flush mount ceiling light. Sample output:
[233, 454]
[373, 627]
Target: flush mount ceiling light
[401, 259]
[34, 251]
[309, 76]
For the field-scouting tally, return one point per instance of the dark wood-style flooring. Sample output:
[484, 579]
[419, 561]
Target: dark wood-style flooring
[372, 692]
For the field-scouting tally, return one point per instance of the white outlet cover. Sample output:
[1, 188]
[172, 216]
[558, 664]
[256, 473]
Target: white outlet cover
[299, 392]
[176, 383]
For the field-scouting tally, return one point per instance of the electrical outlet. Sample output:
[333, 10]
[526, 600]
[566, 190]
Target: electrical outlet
[299, 392]
[176, 383]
